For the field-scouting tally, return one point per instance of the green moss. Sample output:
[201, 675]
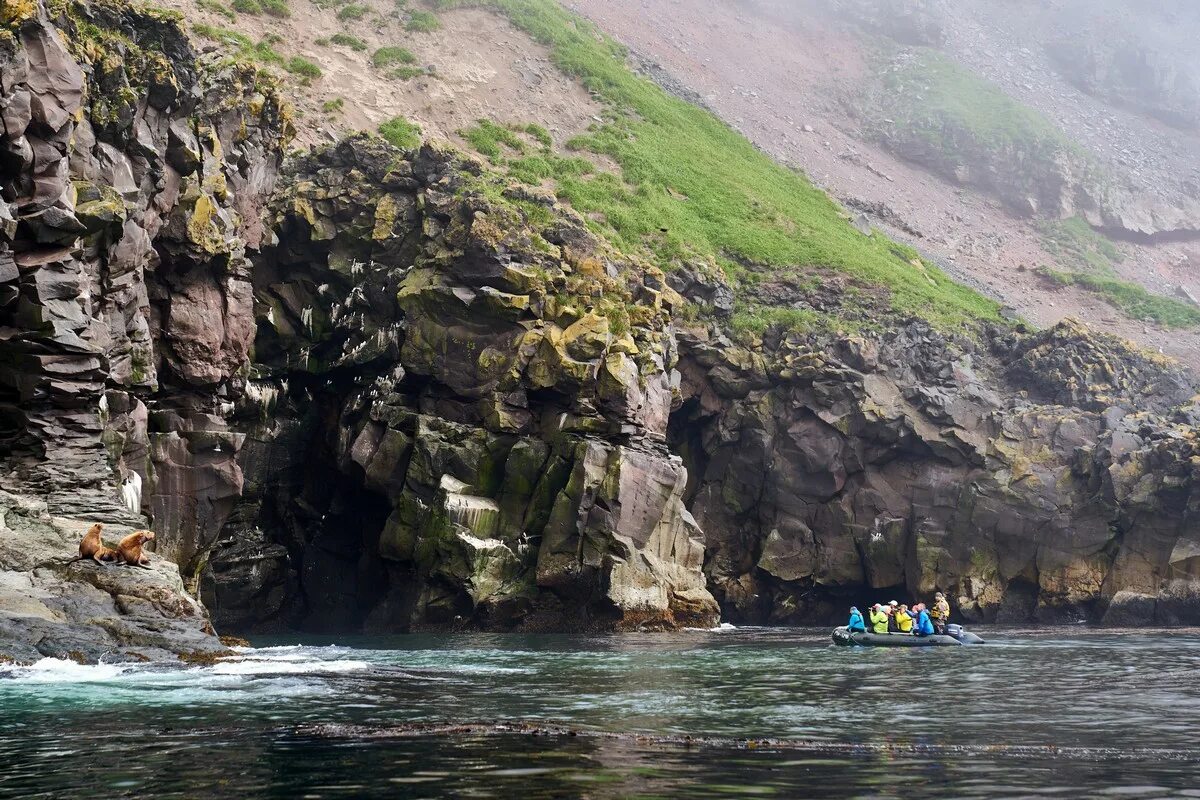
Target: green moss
[401, 133]
[352, 11]
[299, 65]
[1131, 299]
[333, 106]
[348, 40]
[690, 186]
[388, 56]
[247, 6]
[423, 22]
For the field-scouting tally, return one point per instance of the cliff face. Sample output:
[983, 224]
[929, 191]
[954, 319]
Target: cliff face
[377, 390]
[458, 410]
[1042, 476]
[131, 176]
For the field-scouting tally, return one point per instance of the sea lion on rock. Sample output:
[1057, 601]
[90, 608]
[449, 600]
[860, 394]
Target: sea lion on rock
[129, 551]
[91, 546]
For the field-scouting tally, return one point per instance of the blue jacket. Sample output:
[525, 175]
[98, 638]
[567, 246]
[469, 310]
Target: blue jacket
[856, 621]
[924, 625]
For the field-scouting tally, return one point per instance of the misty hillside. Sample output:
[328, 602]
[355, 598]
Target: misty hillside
[1044, 152]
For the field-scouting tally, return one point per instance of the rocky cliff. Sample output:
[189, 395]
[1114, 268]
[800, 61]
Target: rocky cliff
[366, 389]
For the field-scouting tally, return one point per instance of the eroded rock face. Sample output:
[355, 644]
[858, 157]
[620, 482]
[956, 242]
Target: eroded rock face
[382, 391]
[132, 175]
[1029, 480]
[133, 178]
[485, 398]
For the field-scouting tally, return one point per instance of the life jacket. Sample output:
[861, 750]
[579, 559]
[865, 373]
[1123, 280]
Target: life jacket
[879, 621]
[856, 622]
[940, 611]
[904, 622]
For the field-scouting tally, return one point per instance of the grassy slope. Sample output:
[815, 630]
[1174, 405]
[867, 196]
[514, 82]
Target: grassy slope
[1087, 259]
[692, 186]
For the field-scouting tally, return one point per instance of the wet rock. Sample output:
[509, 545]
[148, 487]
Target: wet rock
[54, 606]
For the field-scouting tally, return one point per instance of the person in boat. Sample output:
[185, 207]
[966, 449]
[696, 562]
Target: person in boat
[904, 619]
[923, 625]
[940, 613]
[879, 619]
[856, 624]
[891, 609]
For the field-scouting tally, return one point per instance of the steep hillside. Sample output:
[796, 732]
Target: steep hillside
[635, 375]
[920, 116]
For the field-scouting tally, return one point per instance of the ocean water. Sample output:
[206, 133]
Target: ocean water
[727, 713]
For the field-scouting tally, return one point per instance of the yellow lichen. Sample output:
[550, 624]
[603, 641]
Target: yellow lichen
[15, 12]
[386, 211]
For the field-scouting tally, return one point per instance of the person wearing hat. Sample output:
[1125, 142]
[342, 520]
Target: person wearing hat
[879, 619]
[904, 620]
[940, 613]
[856, 624]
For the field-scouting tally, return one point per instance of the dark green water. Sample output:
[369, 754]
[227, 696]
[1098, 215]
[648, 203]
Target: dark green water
[1065, 713]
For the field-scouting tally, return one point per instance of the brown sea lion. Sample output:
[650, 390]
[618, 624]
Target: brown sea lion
[91, 546]
[129, 551]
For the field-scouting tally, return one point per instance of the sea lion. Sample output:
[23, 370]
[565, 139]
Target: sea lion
[129, 551]
[91, 546]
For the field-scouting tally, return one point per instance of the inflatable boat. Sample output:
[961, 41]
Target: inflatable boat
[954, 636]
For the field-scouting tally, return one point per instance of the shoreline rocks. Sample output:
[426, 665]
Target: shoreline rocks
[52, 605]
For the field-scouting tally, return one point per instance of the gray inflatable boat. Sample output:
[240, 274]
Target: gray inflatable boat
[955, 636]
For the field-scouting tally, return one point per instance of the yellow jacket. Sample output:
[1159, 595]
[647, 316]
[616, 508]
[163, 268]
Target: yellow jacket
[904, 622]
[879, 621]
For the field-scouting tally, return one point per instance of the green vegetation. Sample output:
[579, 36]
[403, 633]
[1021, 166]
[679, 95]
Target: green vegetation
[348, 40]
[217, 7]
[387, 56]
[245, 48]
[423, 22]
[247, 6]
[1132, 299]
[352, 11]
[1088, 260]
[227, 37]
[757, 320]
[401, 133]
[276, 8]
[690, 186]
[299, 65]
[933, 98]
[407, 73]
[333, 106]
[540, 134]
[1076, 245]
[487, 138]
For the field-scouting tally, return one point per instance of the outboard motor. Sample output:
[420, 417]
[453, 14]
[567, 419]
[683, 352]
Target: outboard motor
[962, 635]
